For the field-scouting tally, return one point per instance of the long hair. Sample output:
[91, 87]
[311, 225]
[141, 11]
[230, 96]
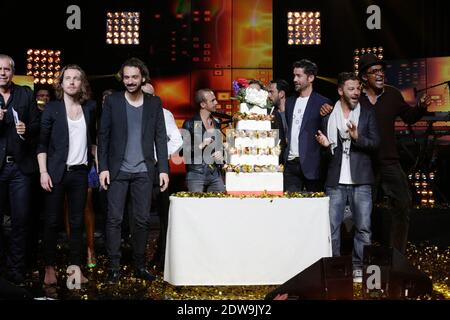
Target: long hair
[85, 92]
[137, 63]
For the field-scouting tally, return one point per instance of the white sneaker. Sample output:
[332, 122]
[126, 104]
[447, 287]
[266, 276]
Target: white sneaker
[357, 276]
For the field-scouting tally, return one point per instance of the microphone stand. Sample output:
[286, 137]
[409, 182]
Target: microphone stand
[429, 131]
[416, 91]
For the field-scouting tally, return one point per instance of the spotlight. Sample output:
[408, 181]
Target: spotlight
[42, 61]
[125, 22]
[309, 24]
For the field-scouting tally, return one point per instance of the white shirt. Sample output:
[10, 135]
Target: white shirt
[173, 134]
[297, 119]
[346, 174]
[77, 142]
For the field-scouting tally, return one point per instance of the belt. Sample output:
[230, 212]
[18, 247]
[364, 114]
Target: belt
[296, 159]
[10, 159]
[76, 167]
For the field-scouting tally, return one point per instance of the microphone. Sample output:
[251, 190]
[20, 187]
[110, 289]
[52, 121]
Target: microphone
[221, 115]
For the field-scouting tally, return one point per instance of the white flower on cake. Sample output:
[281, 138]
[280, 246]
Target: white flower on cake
[252, 100]
[256, 97]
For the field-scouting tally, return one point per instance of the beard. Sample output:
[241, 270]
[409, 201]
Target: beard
[352, 105]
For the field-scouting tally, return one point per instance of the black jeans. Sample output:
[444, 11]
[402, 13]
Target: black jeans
[392, 182]
[295, 180]
[140, 186]
[36, 222]
[18, 185]
[74, 184]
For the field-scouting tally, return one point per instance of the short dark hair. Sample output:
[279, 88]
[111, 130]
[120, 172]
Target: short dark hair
[138, 63]
[49, 88]
[282, 85]
[309, 67]
[345, 76]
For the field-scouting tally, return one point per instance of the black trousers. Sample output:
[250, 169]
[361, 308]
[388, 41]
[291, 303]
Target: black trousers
[74, 184]
[15, 189]
[36, 222]
[295, 181]
[392, 183]
[140, 187]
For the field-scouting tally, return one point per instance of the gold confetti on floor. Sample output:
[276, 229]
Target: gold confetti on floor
[434, 261]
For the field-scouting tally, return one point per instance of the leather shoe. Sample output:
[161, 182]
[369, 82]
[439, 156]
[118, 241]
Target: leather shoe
[144, 274]
[113, 276]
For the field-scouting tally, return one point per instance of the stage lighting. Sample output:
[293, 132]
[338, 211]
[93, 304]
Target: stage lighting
[125, 22]
[40, 62]
[378, 51]
[422, 185]
[309, 25]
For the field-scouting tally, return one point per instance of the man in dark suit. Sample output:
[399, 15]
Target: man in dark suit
[303, 155]
[19, 125]
[131, 128]
[352, 137]
[67, 144]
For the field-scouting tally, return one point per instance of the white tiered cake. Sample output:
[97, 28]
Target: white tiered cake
[253, 155]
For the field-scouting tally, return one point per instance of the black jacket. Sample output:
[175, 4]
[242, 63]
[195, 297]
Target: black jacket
[112, 139]
[361, 151]
[54, 136]
[23, 102]
[193, 159]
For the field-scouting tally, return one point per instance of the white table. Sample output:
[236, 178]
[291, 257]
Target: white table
[251, 241]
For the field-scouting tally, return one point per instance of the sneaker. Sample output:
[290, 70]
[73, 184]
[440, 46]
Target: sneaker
[357, 275]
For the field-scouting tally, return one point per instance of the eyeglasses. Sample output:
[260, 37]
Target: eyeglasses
[376, 71]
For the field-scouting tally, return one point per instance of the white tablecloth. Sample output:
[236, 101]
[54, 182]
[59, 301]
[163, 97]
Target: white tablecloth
[251, 241]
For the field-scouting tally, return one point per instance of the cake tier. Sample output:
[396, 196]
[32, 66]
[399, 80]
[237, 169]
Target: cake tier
[248, 109]
[268, 142]
[260, 160]
[254, 183]
[264, 125]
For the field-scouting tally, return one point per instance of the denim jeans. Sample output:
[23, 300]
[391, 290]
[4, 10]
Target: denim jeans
[208, 181]
[360, 201]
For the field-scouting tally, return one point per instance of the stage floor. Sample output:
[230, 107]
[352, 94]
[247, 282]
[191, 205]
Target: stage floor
[433, 260]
